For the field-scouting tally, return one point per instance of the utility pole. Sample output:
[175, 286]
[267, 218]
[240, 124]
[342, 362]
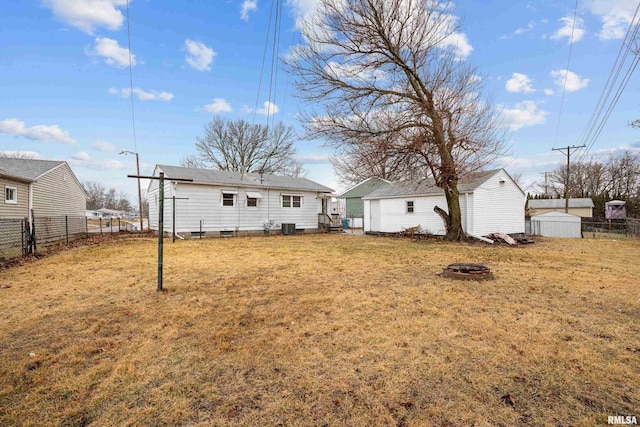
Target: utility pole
[125, 152]
[566, 180]
[546, 185]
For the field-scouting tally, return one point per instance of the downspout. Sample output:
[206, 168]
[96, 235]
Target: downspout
[30, 203]
[466, 216]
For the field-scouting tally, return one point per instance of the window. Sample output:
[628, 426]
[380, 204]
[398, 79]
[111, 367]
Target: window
[253, 199]
[10, 195]
[410, 206]
[228, 199]
[291, 201]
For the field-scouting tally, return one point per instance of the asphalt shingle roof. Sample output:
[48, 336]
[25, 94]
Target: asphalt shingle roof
[428, 187]
[27, 168]
[211, 176]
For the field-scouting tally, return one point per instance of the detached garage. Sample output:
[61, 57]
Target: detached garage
[491, 202]
[556, 224]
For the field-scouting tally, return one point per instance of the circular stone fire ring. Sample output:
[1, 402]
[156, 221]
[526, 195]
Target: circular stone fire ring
[464, 271]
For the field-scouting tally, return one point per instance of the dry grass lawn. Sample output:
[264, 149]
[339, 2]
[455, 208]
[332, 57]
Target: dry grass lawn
[321, 330]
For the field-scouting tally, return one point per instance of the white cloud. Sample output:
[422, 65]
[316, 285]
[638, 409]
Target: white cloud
[87, 15]
[81, 155]
[53, 133]
[460, 44]
[521, 30]
[218, 105]
[104, 146]
[573, 81]
[199, 56]
[519, 83]
[313, 158]
[569, 27]
[356, 72]
[152, 95]
[269, 109]
[524, 114]
[96, 164]
[247, 6]
[113, 53]
[549, 92]
[615, 16]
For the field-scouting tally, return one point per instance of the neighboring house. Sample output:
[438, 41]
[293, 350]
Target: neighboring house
[582, 207]
[354, 205]
[93, 214]
[490, 202]
[111, 213]
[219, 203]
[556, 224]
[48, 187]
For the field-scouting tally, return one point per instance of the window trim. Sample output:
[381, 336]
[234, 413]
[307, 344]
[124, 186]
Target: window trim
[233, 195]
[257, 202]
[291, 201]
[14, 200]
[410, 209]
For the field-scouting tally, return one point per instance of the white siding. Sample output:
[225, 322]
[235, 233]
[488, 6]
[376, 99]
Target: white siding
[556, 224]
[498, 207]
[204, 203]
[492, 207]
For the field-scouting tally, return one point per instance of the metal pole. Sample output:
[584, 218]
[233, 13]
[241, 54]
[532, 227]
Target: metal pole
[201, 229]
[100, 225]
[173, 220]
[139, 192]
[160, 228]
[66, 228]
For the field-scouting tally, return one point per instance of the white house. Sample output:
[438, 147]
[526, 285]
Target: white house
[219, 203]
[490, 202]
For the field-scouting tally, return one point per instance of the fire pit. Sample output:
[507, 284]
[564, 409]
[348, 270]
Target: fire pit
[464, 271]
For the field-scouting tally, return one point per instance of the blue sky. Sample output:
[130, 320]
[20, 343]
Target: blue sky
[64, 78]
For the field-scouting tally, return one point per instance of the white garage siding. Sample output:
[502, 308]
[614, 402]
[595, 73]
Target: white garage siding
[498, 206]
[495, 205]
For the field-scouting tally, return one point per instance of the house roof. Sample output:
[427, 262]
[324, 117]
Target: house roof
[26, 169]
[364, 188]
[236, 179]
[428, 187]
[560, 203]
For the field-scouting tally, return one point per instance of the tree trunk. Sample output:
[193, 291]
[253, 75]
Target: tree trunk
[453, 219]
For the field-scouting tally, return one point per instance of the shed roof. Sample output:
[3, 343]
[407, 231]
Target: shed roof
[218, 177]
[428, 186]
[27, 169]
[364, 188]
[560, 203]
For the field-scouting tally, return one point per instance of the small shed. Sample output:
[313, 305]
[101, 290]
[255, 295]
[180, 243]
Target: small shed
[615, 209]
[556, 224]
[354, 205]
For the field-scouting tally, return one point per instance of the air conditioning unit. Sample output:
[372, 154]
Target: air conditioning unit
[288, 229]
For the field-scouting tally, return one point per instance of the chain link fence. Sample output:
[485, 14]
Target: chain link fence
[21, 237]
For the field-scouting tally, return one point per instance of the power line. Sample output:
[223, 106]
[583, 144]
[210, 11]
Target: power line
[566, 74]
[133, 116]
[597, 120]
[566, 179]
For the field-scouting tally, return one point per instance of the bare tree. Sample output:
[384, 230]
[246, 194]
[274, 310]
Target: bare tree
[29, 155]
[242, 147]
[377, 157]
[389, 67]
[99, 197]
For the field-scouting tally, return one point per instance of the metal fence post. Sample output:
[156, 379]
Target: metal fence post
[119, 229]
[66, 228]
[100, 225]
